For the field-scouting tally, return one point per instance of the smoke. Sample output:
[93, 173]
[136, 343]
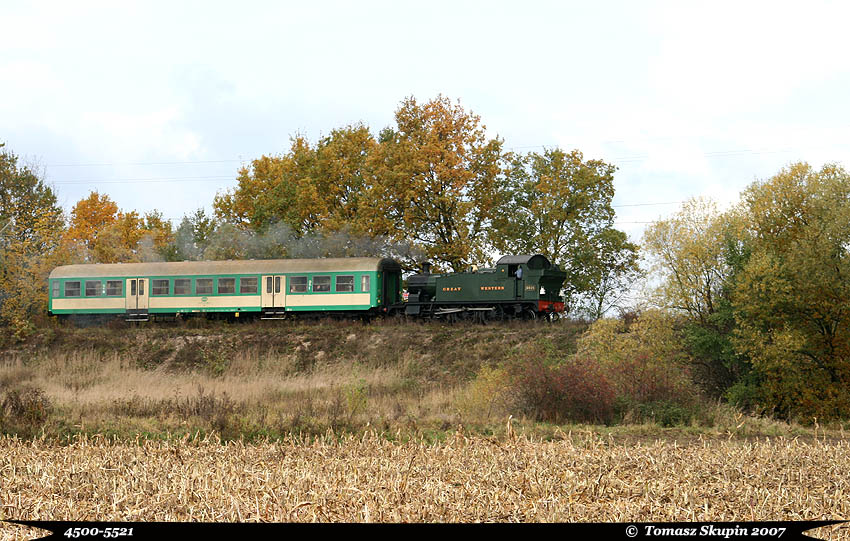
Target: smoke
[280, 241]
[147, 251]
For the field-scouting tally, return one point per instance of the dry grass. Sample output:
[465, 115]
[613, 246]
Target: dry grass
[272, 380]
[256, 380]
[464, 479]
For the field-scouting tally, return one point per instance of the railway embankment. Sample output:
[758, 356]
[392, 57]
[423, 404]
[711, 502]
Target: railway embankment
[273, 379]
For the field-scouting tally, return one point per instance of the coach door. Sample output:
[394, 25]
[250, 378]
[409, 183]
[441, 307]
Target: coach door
[274, 291]
[137, 294]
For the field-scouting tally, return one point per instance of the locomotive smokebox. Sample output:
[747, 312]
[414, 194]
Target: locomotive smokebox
[426, 267]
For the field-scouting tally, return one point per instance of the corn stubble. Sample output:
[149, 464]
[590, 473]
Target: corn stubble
[464, 479]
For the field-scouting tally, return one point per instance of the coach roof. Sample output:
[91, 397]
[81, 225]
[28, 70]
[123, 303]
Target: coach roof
[259, 266]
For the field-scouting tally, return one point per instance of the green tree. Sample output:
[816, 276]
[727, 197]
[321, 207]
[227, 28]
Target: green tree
[612, 269]
[157, 241]
[559, 204]
[792, 300]
[192, 236]
[31, 223]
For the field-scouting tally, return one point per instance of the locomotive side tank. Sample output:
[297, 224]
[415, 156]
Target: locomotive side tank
[526, 286]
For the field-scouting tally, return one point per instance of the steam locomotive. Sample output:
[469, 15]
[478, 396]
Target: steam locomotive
[523, 286]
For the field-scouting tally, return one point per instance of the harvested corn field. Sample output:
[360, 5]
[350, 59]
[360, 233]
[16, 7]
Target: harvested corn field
[573, 478]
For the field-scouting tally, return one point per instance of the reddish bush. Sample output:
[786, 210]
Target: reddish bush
[572, 390]
[638, 379]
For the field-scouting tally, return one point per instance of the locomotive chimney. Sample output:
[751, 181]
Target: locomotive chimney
[426, 267]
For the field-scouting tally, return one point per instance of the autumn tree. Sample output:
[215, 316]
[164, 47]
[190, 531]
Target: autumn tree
[687, 252]
[31, 223]
[89, 217]
[696, 256]
[157, 241]
[792, 300]
[438, 182]
[108, 235]
[559, 204]
[309, 189]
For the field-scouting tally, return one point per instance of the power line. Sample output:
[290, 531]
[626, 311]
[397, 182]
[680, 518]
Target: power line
[139, 163]
[144, 179]
[710, 154]
[648, 204]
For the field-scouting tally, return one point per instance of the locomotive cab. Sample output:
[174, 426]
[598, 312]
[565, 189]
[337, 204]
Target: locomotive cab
[536, 279]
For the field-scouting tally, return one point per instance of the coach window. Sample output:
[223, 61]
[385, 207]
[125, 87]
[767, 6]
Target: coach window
[298, 284]
[268, 284]
[92, 288]
[182, 286]
[364, 283]
[72, 289]
[321, 284]
[113, 288]
[226, 285]
[345, 284]
[55, 288]
[203, 286]
[248, 285]
[159, 287]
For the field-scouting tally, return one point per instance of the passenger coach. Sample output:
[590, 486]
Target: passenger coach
[267, 288]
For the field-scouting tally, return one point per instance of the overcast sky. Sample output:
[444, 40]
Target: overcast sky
[158, 103]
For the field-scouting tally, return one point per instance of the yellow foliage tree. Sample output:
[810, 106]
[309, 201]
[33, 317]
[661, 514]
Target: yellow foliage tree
[31, 224]
[687, 252]
[792, 301]
[438, 182]
[108, 235]
[310, 188]
[88, 217]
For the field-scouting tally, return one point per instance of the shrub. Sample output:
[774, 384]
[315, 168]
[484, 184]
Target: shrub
[574, 390]
[647, 365]
[210, 356]
[488, 393]
[639, 379]
[24, 411]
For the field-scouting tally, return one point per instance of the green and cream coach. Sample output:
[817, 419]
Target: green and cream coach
[265, 288]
